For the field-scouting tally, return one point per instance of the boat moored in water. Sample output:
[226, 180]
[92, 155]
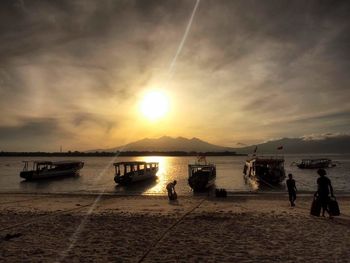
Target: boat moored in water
[49, 169]
[201, 176]
[315, 163]
[131, 172]
[265, 170]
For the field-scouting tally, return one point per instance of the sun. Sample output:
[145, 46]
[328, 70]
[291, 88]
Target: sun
[154, 105]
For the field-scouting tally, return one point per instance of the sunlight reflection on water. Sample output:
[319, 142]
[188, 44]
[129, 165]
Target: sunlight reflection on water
[162, 178]
[229, 175]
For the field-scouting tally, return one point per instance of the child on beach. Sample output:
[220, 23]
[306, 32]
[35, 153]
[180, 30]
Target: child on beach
[292, 190]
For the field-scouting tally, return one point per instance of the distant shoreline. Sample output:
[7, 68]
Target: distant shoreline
[121, 154]
[232, 195]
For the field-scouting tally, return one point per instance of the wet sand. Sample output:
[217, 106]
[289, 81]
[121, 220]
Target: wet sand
[242, 228]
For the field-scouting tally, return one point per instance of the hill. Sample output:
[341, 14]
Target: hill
[330, 144]
[169, 144]
[334, 144]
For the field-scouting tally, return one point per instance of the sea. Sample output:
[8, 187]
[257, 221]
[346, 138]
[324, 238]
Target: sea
[98, 173]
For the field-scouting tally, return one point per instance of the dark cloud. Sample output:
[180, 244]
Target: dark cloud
[325, 136]
[330, 120]
[33, 134]
[83, 63]
[29, 128]
[81, 119]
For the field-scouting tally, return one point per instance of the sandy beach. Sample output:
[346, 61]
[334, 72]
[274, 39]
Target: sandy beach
[241, 228]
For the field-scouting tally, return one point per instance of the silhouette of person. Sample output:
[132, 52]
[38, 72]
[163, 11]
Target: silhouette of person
[292, 189]
[324, 187]
[171, 190]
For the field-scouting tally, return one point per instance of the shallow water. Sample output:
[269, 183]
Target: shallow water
[98, 172]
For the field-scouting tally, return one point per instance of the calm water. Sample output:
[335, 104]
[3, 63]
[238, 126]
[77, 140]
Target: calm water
[98, 172]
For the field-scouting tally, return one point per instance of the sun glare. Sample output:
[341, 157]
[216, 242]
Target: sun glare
[154, 105]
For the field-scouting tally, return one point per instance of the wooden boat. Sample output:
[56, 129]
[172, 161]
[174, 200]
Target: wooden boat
[49, 169]
[315, 163]
[131, 172]
[201, 176]
[265, 170]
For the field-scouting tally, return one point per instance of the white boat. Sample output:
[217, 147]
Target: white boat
[131, 172]
[265, 170]
[315, 163]
[34, 170]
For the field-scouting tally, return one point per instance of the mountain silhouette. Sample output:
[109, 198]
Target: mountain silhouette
[334, 144]
[167, 144]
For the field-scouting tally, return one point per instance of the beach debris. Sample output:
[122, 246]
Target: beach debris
[37, 251]
[11, 236]
[221, 193]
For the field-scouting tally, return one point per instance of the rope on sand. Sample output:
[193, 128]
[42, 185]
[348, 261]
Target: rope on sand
[18, 201]
[38, 218]
[168, 230]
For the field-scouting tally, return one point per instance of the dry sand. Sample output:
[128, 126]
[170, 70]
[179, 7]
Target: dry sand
[252, 228]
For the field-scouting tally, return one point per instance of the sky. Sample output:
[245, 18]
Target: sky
[74, 73]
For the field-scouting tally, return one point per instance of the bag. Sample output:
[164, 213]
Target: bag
[220, 193]
[173, 196]
[315, 207]
[334, 207]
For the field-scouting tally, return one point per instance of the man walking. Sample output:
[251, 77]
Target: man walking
[292, 190]
[324, 188]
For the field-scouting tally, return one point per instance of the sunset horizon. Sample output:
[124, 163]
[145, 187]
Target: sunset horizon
[95, 75]
[174, 131]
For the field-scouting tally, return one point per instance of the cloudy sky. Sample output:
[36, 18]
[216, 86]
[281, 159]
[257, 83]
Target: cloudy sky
[74, 73]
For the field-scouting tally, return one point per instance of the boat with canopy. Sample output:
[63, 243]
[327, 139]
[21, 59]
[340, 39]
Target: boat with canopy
[266, 170]
[201, 175]
[34, 170]
[131, 172]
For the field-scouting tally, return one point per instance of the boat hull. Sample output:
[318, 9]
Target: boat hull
[37, 175]
[322, 163]
[132, 178]
[269, 179]
[201, 182]
[302, 166]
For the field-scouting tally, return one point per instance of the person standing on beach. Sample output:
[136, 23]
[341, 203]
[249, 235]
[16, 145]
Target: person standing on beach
[292, 189]
[171, 190]
[324, 188]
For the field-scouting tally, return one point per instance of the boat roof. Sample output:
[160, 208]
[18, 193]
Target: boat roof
[266, 160]
[55, 162]
[319, 159]
[134, 163]
[66, 162]
[201, 165]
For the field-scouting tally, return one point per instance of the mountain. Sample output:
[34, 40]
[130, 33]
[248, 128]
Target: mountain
[167, 144]
[334, 144]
